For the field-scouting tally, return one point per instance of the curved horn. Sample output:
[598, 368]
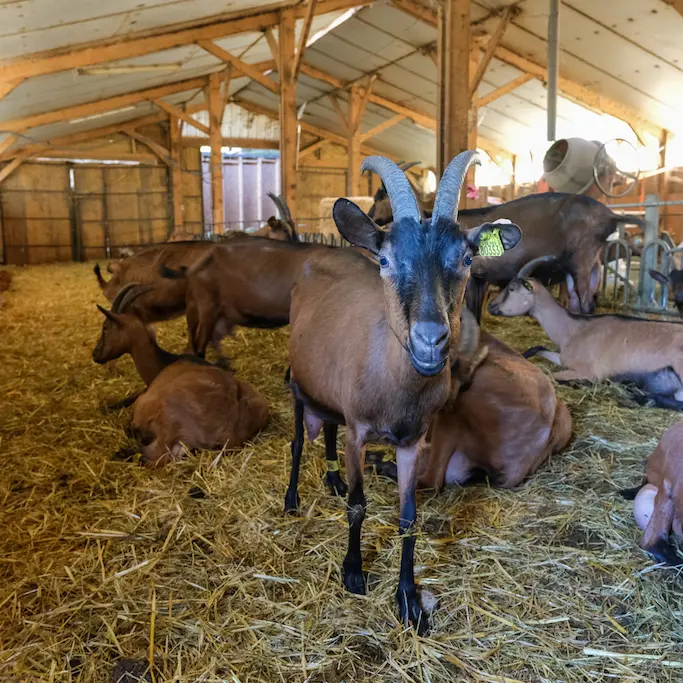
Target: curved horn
[401, 196]
[448, 192]
[528, 268]
[281, 206]
[127, 295]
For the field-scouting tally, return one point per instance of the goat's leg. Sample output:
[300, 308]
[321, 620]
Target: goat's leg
[570, 376]
[657, 537]
[333, 479]
[352, 568]
[292, 495]
[409, 607]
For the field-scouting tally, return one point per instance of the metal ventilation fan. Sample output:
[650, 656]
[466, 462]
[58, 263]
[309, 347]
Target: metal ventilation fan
[616, 167]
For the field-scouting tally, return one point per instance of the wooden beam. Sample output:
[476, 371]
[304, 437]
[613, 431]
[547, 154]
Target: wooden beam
[380, 128]
[453, 81]
[12, 166]
[228, 74]
[305, 33]
[7, 86]
[676, 4]
[178, 113]
[418, 117]
[289, 151]
[163, 153]
[366, 90]
[491, 46]
[213, 97]
[100, 106]
[95, 155]
[247, 69]
[312, 148]
[503, 90]
[273, 46]
[472, 129]
[343, 118]
[247, 143]
[353, 141]
[575, 91]
[176, 145]
[89, 54]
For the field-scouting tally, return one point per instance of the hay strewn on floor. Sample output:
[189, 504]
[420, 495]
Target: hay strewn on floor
[103, 560]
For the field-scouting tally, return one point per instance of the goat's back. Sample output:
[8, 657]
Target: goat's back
[202, 406]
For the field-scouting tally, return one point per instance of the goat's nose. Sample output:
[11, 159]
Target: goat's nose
[493, 308]
[429, 339]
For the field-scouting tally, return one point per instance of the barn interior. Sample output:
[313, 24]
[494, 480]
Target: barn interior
[123, 126]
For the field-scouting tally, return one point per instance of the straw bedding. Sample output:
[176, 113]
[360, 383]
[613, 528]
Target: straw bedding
[195, 568]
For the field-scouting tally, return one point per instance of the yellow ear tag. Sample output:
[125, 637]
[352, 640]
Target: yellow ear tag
[490, 243]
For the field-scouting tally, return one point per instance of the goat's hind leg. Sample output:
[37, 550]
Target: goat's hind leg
[292, 495]
[333, 479]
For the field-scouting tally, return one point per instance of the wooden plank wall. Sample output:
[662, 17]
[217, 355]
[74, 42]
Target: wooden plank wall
[35, 209]
[192, 190]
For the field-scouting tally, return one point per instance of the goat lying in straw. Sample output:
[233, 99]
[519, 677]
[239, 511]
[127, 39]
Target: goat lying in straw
[506, 424]
[658, 504]
[370, 346]
[644, 353]
[188, 402]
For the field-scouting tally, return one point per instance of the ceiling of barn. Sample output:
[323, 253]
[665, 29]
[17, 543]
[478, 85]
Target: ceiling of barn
[628, 51]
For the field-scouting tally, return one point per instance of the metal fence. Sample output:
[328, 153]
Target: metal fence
[626, 279]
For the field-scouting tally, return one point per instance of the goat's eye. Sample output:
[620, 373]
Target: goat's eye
[383, 261]
[467, 260]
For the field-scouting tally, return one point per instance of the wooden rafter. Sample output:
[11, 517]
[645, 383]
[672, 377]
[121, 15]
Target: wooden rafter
[580, 93]
[172, 110]
[313, 147]
[305, 33]
[213, 97]
[161, 151]
[247, 143]
[418, 117]
[491, 46]
[380, 128]
[247, 69]
[343, 118]
[175, 143]
[6, 144]
[229, 70]
[503, 90]
[89, 54]
[273, 47]
[13, 165]
[7, 86]
[676, 4]
[100, 106]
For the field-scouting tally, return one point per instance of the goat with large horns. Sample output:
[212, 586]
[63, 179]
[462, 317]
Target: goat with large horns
[371, 343]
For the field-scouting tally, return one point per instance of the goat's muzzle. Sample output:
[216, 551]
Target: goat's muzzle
[428, 347]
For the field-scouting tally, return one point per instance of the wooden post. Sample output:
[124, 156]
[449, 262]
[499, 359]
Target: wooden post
[453, 75]
[175, 145]
[216, 140]
[472, 121]
[288, 122]
[353, 131]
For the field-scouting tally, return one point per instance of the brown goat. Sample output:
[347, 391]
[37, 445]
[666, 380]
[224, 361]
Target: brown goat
[658, 504]
[167, 298]
[283, 228]
[370, 346]
[188, 401]
[506, 424]
[242, 282]
[637, 351]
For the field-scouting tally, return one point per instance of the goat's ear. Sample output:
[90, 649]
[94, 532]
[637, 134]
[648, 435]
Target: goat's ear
[660, 277]
[356, 227]
[272, 221]
[112, 316]
[491, 239]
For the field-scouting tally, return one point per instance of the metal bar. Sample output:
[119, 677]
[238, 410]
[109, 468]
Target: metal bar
[553, 66]
[647, 203]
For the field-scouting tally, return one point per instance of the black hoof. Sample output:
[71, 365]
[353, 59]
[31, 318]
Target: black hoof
[336, 484]
[664, 551]
[291, 503]
[410, 610]
[354, 580]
